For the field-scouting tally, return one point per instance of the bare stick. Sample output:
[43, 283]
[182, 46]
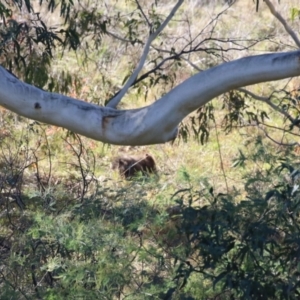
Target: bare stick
[145, 17]
[115, 101]
[279, 17]
[275, 141]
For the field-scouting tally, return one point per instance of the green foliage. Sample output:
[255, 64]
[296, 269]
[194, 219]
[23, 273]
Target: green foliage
[66, 234]
[246, 249]
[295, 13]
[100, 241]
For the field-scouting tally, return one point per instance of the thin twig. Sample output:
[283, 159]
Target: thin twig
[114, 35]
[145, 17]
[276, 142]
[115, 101]
[279, 17]
[269, 102]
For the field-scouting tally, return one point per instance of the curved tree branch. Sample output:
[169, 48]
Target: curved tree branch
[156, 123]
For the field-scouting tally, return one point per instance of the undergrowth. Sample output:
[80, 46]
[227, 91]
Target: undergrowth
[220, 221]
[68, 233]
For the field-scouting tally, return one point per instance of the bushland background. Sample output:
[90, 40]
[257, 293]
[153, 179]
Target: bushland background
[221, 219]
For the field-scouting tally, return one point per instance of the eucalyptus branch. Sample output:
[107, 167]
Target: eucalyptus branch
[192, 64]
[269, 102]
[213, 22]
[187, 49]
[276, 142]
[121, 38]
[152, 124]
[279, 17]
[279, 129]
[180, 55]
[252, 95]
[115, 101]
[141, 10]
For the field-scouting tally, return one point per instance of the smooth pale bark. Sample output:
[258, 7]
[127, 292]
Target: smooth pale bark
[156, 123]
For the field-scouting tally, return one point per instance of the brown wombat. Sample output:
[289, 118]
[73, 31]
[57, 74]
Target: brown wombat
[129, 167]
